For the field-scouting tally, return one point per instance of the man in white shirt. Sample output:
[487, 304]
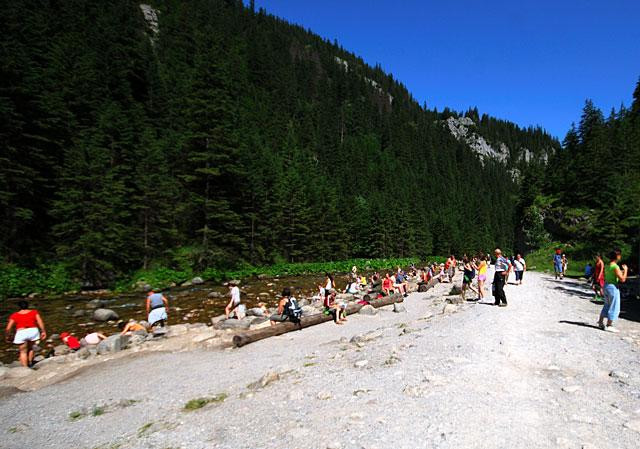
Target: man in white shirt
[520, 267]
[235, 305]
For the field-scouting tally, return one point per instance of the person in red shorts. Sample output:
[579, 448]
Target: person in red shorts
[598, 276]
[29, 329]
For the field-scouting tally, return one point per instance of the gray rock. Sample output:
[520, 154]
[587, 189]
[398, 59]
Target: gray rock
[197, 280]
[55, 337]
[83, 353]
[255, 311]
[136, 340]
[78, 313]
[159, 332]
[95, 304]
[368, 310]
[309, 310]
[105, 315]
[3, 371]
[454, 300]
[214, 295]
[217, 319]
[399, 307]
[259, 320]
[61, 350]
[449, 308]
[234, 324]
[18, 372]
[303, 302]
[361, 363]
[178, 329]
[113, 343]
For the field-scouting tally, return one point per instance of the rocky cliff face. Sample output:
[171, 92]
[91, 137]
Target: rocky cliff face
[464, 130]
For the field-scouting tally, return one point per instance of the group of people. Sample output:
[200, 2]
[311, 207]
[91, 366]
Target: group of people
[560, 264]
[28, 328]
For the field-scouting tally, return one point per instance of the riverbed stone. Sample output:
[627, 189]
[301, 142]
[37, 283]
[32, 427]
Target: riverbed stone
[178, 329]
[255, 311]
[95, 304]
[105, 315]
[368, 310]
[61, 350]
[83, 353]
[218, 319]
[197, 280]
[449, 308]
[78, 313]
[214, 295]
[234, 324]
[113, 343]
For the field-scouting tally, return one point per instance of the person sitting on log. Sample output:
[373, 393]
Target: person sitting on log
[353, 288]
[281, 316]
[401, 283]
[387, 285]
[337, 310]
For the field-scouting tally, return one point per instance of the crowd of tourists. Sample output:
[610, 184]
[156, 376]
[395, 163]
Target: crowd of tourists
[28, 327]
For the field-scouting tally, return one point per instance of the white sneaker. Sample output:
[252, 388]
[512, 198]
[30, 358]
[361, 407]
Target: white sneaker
[611, 329]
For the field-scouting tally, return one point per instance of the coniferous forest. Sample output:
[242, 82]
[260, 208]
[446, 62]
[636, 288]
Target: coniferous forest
[211, 134]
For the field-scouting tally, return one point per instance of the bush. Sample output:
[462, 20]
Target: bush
[21, 281]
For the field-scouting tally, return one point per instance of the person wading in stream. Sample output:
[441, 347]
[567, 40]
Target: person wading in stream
[613, 274]
[499, 278]
[157, 309]
[29, 329]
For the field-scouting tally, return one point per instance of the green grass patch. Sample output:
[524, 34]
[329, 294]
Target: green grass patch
[195, 404]
[97, 411]
[309, 364]
[76, 415]
[144, 428]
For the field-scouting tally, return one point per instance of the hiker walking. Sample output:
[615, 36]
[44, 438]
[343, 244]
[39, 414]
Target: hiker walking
[502, 268]
[613, 274]
[557, 264]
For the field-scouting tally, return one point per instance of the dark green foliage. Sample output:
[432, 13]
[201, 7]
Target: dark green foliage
[590, 195]
[230, 137]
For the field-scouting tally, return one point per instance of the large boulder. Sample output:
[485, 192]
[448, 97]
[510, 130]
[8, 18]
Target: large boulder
[178, 329]
[114, 343]
[398, 307]
[234, 324]
[61, 350]
[255, 311]
[83, 353]
[368, 310]
[18, 372]
[105, 315]
[197, 280]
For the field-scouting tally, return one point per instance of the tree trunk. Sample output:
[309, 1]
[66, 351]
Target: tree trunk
[251, 336]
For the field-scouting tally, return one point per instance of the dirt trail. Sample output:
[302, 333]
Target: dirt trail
[536, 374]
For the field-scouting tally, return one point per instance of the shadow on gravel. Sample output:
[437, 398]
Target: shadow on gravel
[579, 323]
[574, 291]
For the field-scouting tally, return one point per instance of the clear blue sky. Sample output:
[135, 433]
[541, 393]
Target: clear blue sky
[531, 62]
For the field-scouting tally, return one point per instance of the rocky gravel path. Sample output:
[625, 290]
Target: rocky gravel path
[536, 374]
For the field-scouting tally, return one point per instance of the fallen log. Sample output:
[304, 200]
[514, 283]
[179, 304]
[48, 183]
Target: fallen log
[426, 287]
[244, 338]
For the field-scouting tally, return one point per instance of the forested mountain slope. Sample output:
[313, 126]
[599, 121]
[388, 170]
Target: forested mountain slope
[208, 132]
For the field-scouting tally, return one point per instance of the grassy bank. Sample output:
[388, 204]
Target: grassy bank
[18, 281]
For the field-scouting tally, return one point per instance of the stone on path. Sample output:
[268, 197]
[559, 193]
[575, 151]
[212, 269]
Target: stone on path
[398, 307]
[368, 310]
[361, 363]
[61, 350]
[618, 374]
[19, 372]
[633, 425]
[449, 308]
[571, 388]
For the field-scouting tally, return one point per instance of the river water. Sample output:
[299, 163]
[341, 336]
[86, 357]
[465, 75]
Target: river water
[73, 313]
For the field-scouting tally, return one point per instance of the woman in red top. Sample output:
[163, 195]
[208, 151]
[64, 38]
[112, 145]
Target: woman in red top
[29, 329]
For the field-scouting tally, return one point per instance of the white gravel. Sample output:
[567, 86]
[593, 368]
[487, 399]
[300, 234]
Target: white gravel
[483, 377]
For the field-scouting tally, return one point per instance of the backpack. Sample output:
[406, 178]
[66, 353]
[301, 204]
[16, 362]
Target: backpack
[292, 310]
